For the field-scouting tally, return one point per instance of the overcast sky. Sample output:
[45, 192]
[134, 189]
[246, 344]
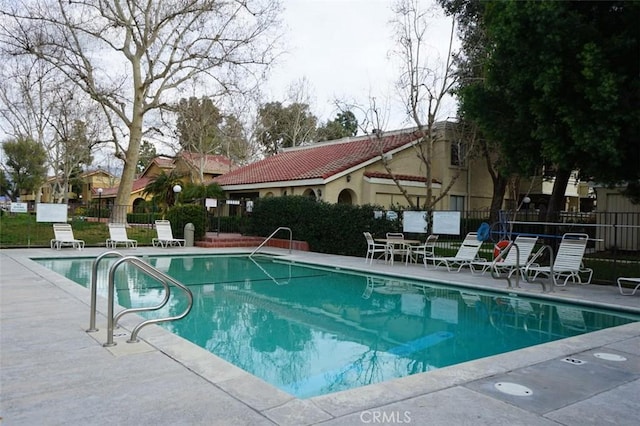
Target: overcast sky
[342, 48]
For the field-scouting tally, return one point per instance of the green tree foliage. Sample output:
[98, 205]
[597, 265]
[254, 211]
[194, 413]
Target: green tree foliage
[6, 188]
[192, 191]
[284, 127]
[161, 189]
[147, 154]
[345, 124]
[25, 159]
[198, 125]
[562, 87]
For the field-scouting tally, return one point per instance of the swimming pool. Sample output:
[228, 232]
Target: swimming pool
[312, 330]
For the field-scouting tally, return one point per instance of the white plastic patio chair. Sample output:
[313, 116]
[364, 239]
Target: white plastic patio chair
[425, 250]
[118, 234]
[397, 247]
[63, 236]
[165, 235]
[513, 259]
[373, 248]
[631, 281]
[567, 264]
[467, 253]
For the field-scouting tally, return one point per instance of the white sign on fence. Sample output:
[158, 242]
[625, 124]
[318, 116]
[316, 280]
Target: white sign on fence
[211, 202]
[18, 208]
[414, 222]
[446, 223]
[51, 212]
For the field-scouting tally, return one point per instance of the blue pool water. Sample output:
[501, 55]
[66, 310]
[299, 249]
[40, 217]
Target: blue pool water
[312, 330]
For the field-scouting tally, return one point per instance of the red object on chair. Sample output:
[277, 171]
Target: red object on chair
[499, 248]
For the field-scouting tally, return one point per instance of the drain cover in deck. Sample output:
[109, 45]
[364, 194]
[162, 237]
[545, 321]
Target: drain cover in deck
[609, 357]
[513, 389]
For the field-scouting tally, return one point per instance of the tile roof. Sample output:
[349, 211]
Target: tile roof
[317, 161]
[213, 164]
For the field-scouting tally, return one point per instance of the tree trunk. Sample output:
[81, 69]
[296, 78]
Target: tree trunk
[556, 202]
[497, 198]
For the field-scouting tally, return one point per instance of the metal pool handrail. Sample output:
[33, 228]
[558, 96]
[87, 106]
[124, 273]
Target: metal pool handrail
[270, 236]
[163, 278]
[94, 287]
[518, 269]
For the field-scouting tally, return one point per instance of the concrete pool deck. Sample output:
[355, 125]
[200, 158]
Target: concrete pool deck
[53, 372]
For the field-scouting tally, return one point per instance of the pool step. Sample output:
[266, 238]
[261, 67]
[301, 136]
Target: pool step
[213, 240]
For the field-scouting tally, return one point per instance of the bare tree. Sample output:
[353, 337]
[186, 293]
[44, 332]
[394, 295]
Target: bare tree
[133, 57]
[424, 87]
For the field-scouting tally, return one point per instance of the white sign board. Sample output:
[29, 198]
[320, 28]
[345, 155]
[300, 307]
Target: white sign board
[414, 222]
[18, 208]
[51, 212]
[210, 202]
[446, 223]
[233, 202]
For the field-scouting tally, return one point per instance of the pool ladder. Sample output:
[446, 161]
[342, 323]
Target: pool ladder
[112, 320]
[282, 228]
[518, 269]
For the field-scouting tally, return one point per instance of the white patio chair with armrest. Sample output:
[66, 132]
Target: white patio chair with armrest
[425, 250]
[63, 236]
[373, 248]
[165, 235]
[467, 253]
[567, 264]
[397, 248]
[513, 259]
[632, 281]
[118, 234]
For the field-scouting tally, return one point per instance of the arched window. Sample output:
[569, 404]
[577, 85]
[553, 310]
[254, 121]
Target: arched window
[346, 196]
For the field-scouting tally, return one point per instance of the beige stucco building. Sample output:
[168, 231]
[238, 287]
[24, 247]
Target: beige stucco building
[352, 170]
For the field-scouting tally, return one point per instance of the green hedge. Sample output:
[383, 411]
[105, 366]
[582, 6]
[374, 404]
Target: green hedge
[328, 228]
[181, 214]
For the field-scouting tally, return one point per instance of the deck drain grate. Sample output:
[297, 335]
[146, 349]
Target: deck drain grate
[609, 357]
[120, 334]
[513, 389]
[574, 361]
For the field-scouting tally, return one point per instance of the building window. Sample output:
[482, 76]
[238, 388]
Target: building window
[456, 203]
[457, 153]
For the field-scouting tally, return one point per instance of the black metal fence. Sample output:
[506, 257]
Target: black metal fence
[613, 249]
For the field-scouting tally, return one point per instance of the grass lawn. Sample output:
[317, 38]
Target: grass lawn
[22, 230]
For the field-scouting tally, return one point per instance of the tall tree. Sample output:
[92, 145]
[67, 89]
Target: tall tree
[147, 154]
[424, 86]
[150, 49]
[344, 125]
[198, 125]
[285, 126]
[25, 165]
[469, 63]
[564, 75]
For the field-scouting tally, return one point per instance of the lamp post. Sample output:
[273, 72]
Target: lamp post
[176, 190]
[99, 204]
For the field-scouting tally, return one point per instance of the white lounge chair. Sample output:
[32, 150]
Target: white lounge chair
[63, 236]
[467, 253]
[567, 264]
[631, 281]
[165, 235]
[425, 250]
[373, 248]
[513, 260]
[118, 234]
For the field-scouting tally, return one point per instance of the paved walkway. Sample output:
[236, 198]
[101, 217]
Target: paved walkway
[52, 372]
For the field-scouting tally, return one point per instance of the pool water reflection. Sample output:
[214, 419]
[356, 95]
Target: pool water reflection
[312, 330]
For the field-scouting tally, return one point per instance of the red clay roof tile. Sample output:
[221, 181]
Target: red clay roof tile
[317, 161]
